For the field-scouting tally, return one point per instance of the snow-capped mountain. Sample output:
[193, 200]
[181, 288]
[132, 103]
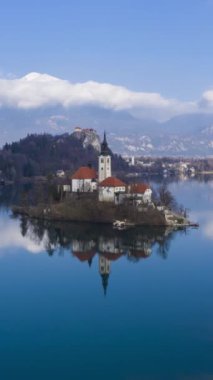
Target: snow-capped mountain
[187, 135]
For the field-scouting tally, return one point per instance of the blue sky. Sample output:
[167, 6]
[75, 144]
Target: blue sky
[160, 46]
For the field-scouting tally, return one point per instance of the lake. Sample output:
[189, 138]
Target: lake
[87, 302]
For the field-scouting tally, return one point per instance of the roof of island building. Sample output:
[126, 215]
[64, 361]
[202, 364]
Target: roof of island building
[139, 188]
[84, 256]
[112, 182]
[84, 172]
[140, 254]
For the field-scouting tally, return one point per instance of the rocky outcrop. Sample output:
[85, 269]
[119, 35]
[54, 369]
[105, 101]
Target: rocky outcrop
[88, 137]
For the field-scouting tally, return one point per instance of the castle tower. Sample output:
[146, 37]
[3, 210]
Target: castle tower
[104, 163]
[104, 270]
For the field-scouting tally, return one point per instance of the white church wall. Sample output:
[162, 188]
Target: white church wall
[147, 196]
[83, 185]
[107, 194]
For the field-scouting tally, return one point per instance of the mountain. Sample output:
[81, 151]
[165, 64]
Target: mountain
[185, 135]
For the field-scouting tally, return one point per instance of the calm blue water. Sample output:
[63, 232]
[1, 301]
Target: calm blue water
[154, 322]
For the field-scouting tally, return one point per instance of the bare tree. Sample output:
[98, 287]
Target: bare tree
[166, 198]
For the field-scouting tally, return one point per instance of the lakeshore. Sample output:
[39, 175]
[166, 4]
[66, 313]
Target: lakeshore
[85, 210]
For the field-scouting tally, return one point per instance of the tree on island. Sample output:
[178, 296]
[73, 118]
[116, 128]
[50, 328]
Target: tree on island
[163, 196]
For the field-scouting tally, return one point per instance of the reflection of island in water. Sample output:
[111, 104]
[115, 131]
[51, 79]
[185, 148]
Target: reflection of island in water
[85, 241]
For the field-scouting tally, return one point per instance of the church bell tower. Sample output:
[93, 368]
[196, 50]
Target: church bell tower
[104, 270]
[104, 164]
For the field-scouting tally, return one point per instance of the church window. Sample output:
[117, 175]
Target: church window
[102, 160]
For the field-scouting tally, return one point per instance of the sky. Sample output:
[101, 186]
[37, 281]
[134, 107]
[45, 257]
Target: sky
[147, 46]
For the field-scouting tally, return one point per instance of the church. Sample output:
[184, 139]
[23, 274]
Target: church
[110, 188]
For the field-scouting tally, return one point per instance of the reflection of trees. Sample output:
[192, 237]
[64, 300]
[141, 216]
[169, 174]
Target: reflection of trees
[164, 240]
[33, 229]
[24, 226]
[163, 247]
[8, 195]
[85, 240]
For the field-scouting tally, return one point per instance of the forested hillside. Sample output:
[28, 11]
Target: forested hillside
[43, 154]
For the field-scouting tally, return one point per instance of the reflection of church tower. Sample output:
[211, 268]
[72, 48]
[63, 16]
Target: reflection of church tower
[90, 261]
[104, 270]
[104, 164]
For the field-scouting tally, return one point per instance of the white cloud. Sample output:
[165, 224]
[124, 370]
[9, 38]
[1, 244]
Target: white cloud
[207, 99]
[205, 219]
[11, 237]
[36, 90]
[208, 230]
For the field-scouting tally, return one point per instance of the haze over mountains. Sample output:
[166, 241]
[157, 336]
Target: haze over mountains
[187, 135]
[38, 103]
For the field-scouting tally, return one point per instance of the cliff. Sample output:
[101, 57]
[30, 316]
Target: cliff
[88, 137]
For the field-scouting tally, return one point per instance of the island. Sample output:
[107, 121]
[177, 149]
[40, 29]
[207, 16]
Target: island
[100, 197]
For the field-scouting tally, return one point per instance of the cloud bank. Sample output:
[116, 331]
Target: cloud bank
[9, 230]
[41, 90]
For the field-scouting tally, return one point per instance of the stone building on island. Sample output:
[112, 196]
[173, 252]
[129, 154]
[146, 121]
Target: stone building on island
[139, 192]
[84, 180]
[110, 188]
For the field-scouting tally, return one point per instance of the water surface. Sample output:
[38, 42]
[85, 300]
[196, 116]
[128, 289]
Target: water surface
[84, 301]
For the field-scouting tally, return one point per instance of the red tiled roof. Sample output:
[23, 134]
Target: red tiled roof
[112, 182]
[84, 256]
[139, 188]
[140, 254]
[84, 173]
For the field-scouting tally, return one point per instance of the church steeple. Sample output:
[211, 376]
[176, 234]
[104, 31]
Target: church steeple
[104, 164]
[105, 138]
[104, 147]
[104, 270]
[105, 278]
